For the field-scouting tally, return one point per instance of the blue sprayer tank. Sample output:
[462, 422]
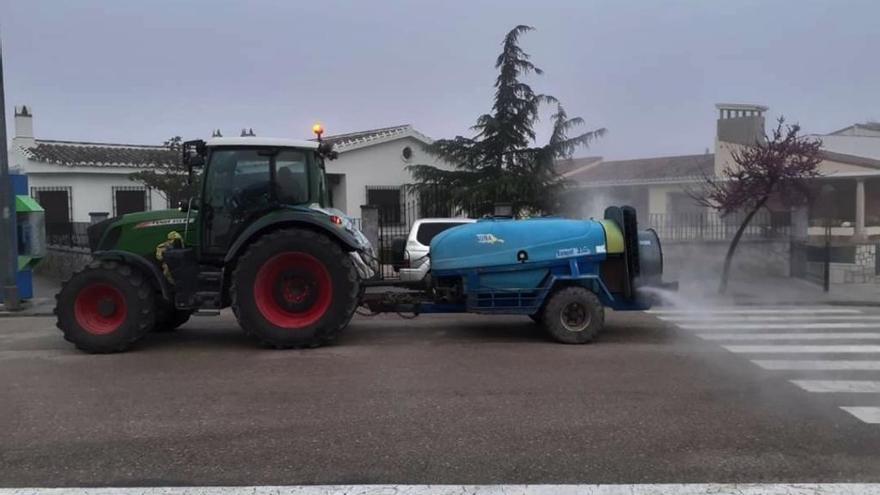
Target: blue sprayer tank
[492, 243]
[510, 266]
[562, 273]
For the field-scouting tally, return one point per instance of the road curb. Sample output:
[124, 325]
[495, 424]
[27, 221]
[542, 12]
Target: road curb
[24, 314]
[807, 303]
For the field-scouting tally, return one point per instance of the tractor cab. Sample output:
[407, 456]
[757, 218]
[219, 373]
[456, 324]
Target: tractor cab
[245, 178]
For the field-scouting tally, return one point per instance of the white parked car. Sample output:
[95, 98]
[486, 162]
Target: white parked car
[415, 262]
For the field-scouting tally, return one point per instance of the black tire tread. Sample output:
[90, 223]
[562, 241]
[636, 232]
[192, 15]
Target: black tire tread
[146, 319]
[563, 296]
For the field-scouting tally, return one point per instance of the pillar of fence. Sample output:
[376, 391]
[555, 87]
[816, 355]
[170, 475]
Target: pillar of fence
[98, 216]
[370, 224]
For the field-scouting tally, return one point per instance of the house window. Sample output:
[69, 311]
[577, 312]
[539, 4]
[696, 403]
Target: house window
[387, 199]
[683, 204]
[58, 206]
[130, 200]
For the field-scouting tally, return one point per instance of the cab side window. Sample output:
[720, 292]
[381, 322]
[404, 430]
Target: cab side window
[237, 187]
[291, 177]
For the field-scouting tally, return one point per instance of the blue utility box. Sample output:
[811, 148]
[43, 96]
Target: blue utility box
[30, 229]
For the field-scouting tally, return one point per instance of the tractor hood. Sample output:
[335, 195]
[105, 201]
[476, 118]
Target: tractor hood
[137, 232]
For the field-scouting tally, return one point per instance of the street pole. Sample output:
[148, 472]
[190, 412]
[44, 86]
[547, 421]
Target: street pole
[826, 279]
[830, 213]
[8, 236]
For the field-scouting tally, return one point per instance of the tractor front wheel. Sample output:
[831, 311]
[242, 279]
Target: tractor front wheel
[294, 288]
[573, 315]
[106, 307]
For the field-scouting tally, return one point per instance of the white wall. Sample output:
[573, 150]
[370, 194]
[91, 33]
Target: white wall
[853, 145]
[91, 192]
[377, 165]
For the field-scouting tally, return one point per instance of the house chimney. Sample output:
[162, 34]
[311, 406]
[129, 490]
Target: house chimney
[24, 127]
[24, 122]
[738, 125]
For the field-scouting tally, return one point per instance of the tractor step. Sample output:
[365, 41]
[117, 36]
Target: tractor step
[207, 312]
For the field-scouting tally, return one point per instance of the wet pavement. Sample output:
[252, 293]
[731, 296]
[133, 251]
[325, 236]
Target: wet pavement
[439, 399]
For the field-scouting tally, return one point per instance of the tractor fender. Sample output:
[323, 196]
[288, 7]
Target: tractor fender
[148, 268]
[273, 221]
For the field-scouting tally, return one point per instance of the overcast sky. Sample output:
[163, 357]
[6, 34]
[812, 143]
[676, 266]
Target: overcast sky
[649, 71]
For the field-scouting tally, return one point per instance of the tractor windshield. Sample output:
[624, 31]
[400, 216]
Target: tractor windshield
[243, 176]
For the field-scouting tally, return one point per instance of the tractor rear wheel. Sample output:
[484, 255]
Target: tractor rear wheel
[294, 288]
[574, 315]
[105, 307]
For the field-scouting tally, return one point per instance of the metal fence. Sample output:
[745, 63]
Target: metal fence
[67, 234]
[714, 227]
[396, 218]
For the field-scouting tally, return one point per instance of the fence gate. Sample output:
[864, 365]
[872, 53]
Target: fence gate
[798, 256]
[398, 209]
[395, 221]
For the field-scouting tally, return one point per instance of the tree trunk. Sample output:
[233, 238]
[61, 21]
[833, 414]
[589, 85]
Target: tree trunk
[728, 259]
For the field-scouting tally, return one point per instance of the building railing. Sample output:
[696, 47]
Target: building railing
[714, 227]
[67, 234]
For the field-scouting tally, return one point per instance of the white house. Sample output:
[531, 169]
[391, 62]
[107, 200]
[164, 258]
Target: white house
[845, 204]
[73, 179]
[371, 168]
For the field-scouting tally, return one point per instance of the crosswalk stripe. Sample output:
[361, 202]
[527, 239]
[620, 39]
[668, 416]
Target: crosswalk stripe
[744, 311]
[839, 386]
[791, 336]
[780, 326]
[806, 349]
[827, 365]
[867, 414]
[768, 318]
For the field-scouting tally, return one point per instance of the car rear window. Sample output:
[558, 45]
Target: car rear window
[428, 231]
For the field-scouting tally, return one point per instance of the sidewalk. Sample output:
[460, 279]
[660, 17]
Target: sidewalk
[780, 291]
[43, 302]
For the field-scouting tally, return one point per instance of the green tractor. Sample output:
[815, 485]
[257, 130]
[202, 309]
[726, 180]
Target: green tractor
[258, 238]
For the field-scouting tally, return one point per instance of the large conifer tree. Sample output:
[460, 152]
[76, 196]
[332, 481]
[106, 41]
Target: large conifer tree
[502, 162]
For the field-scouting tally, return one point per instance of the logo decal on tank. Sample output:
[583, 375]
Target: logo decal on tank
[163, 222]
[489, 239]
[574, 251]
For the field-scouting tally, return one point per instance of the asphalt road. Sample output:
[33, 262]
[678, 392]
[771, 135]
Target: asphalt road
[435, 400]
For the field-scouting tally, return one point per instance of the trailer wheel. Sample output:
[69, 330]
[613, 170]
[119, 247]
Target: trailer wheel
[106, 307]
[294, 288]
[574, 315]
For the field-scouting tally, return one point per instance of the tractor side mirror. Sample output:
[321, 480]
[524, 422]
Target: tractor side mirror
[193, 155]
[325, 150]
[194, 161]
[185, 205]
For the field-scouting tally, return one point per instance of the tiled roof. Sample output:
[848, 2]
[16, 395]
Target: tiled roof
[568, 166]
[859, 161]
[667, 168]
[81, 154]
[871, 126]
[341, 142]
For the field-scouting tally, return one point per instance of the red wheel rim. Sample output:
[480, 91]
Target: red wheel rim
[293, 290]
[100, 308]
